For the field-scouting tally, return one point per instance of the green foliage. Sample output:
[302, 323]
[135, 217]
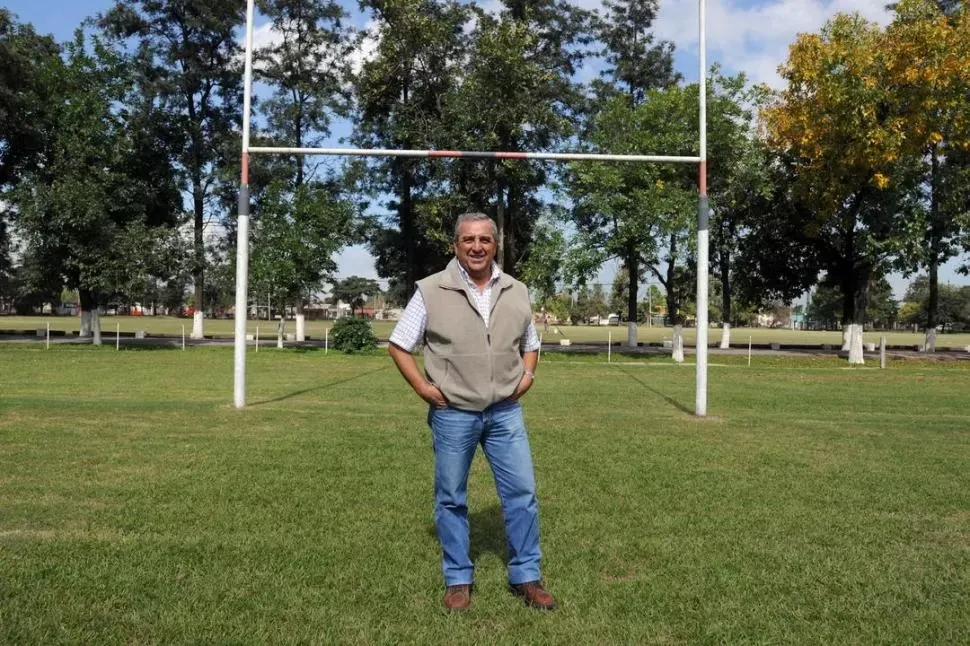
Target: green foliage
[308, 68]
[953, 305]
[542, 270]
[400, 94]
[355, 290]
[825, 306]
[296, 235]
[25, 96]
[629, 211]
[352, 334]
[187, 55]
[638, 63]
[99, 202]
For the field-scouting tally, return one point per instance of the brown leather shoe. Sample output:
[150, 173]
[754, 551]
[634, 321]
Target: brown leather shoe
[533, 594]
[458, 597]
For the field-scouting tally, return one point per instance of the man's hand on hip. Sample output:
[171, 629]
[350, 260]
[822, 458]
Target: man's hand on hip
[433, 395]
[524, 385]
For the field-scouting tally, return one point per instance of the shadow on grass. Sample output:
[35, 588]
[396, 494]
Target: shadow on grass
[667, 398]
[486, 529]
[335, 382]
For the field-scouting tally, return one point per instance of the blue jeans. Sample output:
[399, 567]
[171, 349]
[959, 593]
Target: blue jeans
[500, 429]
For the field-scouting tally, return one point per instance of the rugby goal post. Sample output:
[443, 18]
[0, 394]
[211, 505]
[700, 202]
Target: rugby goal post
[703, 234]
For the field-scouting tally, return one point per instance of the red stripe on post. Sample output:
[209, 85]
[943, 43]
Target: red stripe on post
[444, 153]
[512, 155]
[245, 169]
[703, 178]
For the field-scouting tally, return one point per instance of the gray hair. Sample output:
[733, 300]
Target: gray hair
[475, 217]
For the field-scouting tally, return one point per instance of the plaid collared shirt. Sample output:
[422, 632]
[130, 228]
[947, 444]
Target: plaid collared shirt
[409, 331]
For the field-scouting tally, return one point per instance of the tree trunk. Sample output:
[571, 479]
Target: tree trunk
[856, 356]
[85, 323]
[300, 321]
[633, 271]
[408, 229]
[673, 309]
[199, 270]
[855, 287]
[90, 316]
[725, 275]
[281, 330]
[677, 343]
[933, 306]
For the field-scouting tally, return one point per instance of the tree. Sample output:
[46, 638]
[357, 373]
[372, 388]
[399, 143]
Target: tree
[400, 98]
[634, 212]
[834, 125]
[739, 179]
[296, 234]
[928, 51]
[302, 221]
[308, 70]
[25, 96]
[189, 63]
[517, 93]
[98, 202]
[636, 63]
[542, 270]
[354, 291]
[954, 304]
[825, 305]
[25, 101]
[619, 291]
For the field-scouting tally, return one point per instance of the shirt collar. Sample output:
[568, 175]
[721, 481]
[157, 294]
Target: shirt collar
[496, 274]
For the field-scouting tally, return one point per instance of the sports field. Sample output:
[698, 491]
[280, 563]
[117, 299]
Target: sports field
[224, 328]
[818, 504]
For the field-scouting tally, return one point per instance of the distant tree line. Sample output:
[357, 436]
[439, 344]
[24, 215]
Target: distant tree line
[119, 156]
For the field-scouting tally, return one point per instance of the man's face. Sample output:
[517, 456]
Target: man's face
[476, 247]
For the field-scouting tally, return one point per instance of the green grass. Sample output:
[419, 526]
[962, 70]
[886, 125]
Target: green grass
[577, 333]
[816, 505]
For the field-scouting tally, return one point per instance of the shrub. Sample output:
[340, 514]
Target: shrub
[352, 334]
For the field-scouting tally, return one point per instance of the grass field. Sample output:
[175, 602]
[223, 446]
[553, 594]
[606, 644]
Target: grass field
[816, 505]
[576, 333]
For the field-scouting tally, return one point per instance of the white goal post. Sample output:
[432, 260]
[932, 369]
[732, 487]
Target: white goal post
[703, 236]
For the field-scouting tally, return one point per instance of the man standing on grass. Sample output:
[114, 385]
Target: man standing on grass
[480, 355]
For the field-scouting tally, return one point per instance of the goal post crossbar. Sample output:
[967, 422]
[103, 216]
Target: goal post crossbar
[471, 154]
[703, 207]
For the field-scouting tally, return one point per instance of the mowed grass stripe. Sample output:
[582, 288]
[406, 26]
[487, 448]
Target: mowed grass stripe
[815, 505]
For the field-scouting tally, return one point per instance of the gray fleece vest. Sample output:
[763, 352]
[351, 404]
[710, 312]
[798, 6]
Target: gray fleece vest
[473, 365]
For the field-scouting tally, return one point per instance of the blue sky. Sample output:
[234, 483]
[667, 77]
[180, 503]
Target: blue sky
[743, 35]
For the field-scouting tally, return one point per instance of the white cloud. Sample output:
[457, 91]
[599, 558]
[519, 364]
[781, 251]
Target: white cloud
[752, 35]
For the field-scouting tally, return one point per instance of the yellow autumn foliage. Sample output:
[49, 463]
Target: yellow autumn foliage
[860, 97]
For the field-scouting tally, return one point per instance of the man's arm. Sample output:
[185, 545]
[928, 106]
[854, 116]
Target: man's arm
[530, 359]
[408, 366]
